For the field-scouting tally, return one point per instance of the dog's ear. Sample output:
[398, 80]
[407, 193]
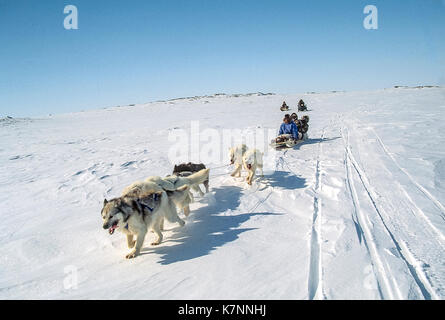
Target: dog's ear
[105, 202]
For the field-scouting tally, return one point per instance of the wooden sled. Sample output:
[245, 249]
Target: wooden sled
[284, 141]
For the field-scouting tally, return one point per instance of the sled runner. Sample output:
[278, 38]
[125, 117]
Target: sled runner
[284, 141]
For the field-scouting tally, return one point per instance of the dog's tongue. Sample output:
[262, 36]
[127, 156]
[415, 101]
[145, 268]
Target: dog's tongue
[111, 230]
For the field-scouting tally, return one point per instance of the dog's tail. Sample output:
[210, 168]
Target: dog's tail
[141, 189]
[198, 177]
[164, 184]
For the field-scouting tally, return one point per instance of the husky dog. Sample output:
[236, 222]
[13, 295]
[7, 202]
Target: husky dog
[155, 184]
[134, 214]
[187, 169]
[236, 157]
[172, 183]
[252, 160]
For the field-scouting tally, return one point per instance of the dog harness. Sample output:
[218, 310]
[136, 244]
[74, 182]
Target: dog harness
[144, 205]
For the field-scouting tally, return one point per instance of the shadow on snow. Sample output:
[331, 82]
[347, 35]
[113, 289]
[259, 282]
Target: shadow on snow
[314, 141]
[284, 179]
[206, 229]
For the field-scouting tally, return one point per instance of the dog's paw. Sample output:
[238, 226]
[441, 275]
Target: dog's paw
[156, 243]
[131, 255]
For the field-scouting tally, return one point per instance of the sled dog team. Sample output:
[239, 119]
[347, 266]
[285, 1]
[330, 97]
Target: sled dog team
[145, 204]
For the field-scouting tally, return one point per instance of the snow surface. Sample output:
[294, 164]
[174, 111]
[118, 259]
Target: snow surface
[355, 212]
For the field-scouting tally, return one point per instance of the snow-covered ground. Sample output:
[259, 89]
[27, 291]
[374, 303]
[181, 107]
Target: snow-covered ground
[355, 212]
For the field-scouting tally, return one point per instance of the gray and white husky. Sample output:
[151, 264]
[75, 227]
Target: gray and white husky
[175, 182]
[135, 213]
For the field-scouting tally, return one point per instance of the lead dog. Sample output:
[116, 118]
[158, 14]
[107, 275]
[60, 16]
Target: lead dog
[143, 206]
[252, 159]
[236, 157]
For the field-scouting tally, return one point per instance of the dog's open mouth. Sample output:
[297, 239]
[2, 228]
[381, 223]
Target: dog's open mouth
[112, 228]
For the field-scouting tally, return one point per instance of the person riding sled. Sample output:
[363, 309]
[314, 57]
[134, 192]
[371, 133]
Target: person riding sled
[288, 135]
[301, 105]
[303, 126]
[284, 106]
[288, 127]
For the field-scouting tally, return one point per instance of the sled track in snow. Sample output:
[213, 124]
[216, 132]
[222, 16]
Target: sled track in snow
[315, 284]
[260, 202]
[417, 274]
[436, 202]
[315, 287]
[377, 264]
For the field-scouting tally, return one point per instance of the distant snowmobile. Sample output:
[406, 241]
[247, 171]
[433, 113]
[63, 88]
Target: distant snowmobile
[302, 106]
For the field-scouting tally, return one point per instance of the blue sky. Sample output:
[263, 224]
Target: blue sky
[144, 50]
